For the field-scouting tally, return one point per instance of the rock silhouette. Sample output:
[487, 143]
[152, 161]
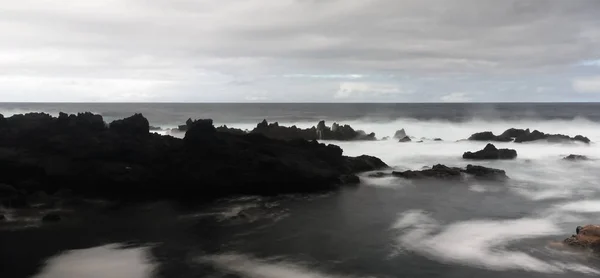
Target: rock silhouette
[124, 161]
[491, 152]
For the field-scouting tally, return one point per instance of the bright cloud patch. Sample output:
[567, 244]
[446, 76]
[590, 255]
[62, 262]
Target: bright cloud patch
[587, 84]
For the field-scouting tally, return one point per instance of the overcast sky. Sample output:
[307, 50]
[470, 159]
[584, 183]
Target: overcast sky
[299, 50]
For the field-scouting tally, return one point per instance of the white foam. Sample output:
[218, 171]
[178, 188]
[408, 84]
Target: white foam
[251, 267]
[479, 243]
[587, 206]
[99, 262]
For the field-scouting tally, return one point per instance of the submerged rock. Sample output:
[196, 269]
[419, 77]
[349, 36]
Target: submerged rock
[491, 152]
[576, 157]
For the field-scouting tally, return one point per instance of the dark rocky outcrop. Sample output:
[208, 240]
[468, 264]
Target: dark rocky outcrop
[124, 161]
[134, 125]
[400, 134]
[488, 136]
[440, 171]
[405, 139]
[319, 132]
[586, 237]
[524, 135]
[231, 130]
[485, 172]
[491, 152]
[576, 157]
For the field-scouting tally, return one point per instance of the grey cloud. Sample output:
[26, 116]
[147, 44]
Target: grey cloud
[205, 46]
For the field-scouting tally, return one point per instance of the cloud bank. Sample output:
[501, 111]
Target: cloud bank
[299, 50]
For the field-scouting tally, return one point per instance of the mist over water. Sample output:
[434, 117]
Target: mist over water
[387, 227]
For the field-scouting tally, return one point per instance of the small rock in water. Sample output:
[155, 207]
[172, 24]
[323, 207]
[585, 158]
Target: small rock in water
[438, 139]
[405, 139]
[491, 152]
[400, 134]
[576, 157]
[51, 217]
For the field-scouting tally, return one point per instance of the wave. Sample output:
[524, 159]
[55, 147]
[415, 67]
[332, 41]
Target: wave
[480, 243]
[112, 260]
[251, 267]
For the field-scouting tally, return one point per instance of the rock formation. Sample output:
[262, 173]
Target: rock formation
[440, 171]
[524, 135]
[124, 161]
[400, 134]
[491, 152]
[576, 157]
[405, 139]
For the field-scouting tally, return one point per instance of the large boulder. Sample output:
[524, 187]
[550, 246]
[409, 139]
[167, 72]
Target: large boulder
[134, 125]
[491, 152]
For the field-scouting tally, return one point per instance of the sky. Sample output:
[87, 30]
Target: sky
[299, 50]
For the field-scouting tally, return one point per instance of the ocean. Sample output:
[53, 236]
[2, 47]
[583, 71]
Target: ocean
[386, 227]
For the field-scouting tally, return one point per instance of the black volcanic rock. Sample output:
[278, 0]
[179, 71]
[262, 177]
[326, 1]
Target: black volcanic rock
[79, 154]
[514, 133]
[524, 135]
[135, 125]
[491, 152]
[440, 171]
[576, 157]
[485, 172]
[487, 136]
[231, 130]
[400, 134]
[405, 139]
[319, 132]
